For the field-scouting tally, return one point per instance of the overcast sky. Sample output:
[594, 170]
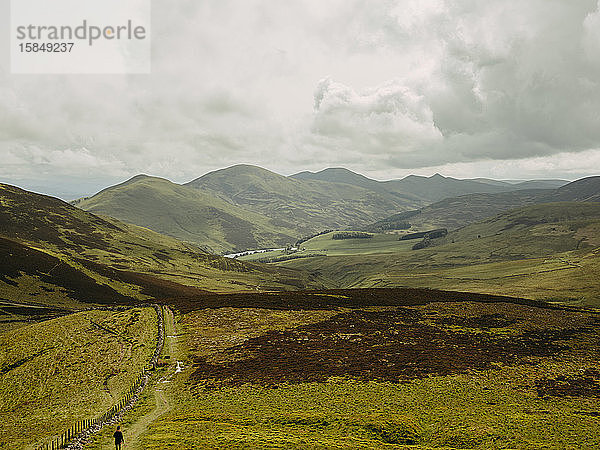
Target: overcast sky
[468, 88]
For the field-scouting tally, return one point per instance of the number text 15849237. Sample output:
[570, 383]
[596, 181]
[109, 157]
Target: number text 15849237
[54, 47]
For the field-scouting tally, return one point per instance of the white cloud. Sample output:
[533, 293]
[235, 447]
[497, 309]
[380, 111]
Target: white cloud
[385, 119]
[58, 162]
[510, 80]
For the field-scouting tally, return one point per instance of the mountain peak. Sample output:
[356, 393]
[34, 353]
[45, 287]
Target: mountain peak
[335, 175]
[337, 169]
[141, 176]
[135, 179]
[236, 171]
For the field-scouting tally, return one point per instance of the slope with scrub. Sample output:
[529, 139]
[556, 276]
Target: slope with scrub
[61, 255]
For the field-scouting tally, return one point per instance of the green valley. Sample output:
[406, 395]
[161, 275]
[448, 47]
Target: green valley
[301, 225]
[484, 335]
[546, 251]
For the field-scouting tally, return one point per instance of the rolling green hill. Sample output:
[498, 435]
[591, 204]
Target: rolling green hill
[60, 255]
[546, 251]
[247, 207]
[533, 231]
[583, 190]
[307, 205]
[188, 214]
[457, 212]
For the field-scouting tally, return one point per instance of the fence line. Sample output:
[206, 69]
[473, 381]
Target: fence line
[77, 435]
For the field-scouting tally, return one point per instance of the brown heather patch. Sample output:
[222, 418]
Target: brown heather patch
[383, 343]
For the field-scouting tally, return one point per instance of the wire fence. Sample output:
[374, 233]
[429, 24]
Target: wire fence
[82, 429]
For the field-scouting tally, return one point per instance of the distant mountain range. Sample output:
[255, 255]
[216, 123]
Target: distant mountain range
[456, 212]
[244, 207]
[68, 256]
[428, 189]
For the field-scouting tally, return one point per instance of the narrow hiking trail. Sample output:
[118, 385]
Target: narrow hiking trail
[161, 397]
[134, 431]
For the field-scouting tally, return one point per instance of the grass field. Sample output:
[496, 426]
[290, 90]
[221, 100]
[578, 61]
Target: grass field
[325, 245]
[486, 410]
[443, 374]
[155, 399]
[59, 371]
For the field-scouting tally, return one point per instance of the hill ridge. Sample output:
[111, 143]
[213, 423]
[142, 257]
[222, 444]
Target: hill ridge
[68, 256]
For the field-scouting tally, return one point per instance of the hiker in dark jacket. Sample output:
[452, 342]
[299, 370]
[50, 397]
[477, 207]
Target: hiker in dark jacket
[118, 438]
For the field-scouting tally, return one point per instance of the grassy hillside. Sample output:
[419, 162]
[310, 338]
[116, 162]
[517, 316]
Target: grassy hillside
[188, 214]
[377, 369]
[456, 212]
[547, 251]
[307, 205]
[63, 256]
[584, 190]
[532, 231]
[57, 372]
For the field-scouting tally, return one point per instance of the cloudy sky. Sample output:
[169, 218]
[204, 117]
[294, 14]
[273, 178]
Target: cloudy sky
[506, 89]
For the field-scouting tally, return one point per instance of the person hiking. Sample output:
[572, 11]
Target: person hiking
[118, 438]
